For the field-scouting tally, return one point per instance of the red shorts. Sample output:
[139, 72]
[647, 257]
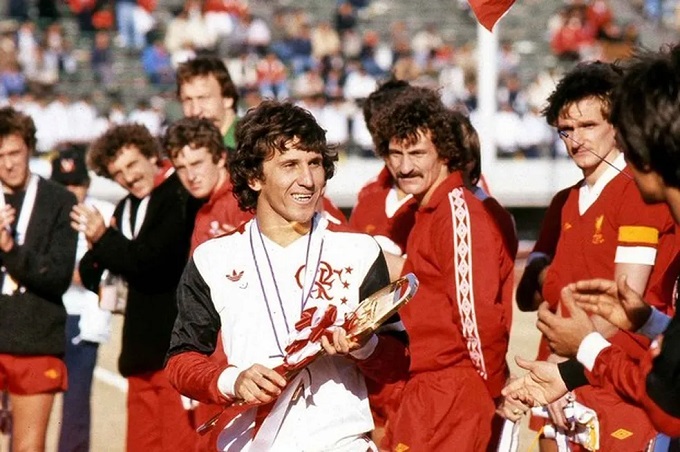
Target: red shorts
[27, 375]
[623, 427]
[444, 410]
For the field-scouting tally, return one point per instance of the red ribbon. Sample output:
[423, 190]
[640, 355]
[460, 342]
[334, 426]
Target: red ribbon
[318, 331]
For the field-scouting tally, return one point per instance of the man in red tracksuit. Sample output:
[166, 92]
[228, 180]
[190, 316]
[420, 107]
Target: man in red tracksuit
[457, 331]
[200, 158]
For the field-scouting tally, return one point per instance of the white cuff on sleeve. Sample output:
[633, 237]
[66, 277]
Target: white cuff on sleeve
[590, 347]
[655, 324]
[227, 380]
[367, 350]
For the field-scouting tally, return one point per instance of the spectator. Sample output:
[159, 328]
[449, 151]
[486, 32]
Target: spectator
[272, 77]
[86, 324]
[406, 68]
[508, 59]
[345, 18]
[12, 80]
[507, 131]
[359, 84]
[83, 9]
[300, 46]
[308, 84]
[42, 71]
[101, 58]
[536, 137]
[157, 65]
[369, 53]
[129, 34]
[27, 44]
[258, 35]
[243, 71]
[325, 40]
[572, 38]
[425, 42]
[147, 116]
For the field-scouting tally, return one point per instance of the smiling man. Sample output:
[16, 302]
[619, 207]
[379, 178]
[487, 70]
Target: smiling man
[254, 285]
[147, 246]
[456, 326]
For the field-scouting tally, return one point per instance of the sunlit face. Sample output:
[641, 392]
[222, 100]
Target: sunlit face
[201, 97]
[14, 155]
[417, 167]
[197, 171]
[293, 183]
[589, 133]
[133, 171]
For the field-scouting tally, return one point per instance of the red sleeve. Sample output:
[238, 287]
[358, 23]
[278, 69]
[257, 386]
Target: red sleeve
[195, 376]
[552, 225]
[627, 377]
[388, 363]
[641, 224]
[331, 209]
[485, 327]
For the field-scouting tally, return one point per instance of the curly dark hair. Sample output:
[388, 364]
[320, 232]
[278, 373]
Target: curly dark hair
[381, 98]
[196, 133]
[419, 110]
[646, 113]
[13, 122]
[466, 132]
[107, 147]
[269, 128]
[594, 79]
[205, 66]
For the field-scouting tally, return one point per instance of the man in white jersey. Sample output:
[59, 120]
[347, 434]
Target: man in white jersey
[285, 270]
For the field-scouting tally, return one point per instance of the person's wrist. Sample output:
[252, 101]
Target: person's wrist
[655, 323]
[226, 382]
[365, 350]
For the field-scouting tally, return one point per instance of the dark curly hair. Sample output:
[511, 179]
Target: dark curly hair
[205, 66]
[419, 110]
[13, 122]
[107, 147]
[594, 79]
[269, 128]
[196, 133]
[466, 132]
[646, 113]
[381, 98]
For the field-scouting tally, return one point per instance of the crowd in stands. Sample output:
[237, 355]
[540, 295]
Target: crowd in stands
[327, 64]
[588, 30]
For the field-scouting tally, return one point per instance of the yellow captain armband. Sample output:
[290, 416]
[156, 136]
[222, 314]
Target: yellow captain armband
[639, 234]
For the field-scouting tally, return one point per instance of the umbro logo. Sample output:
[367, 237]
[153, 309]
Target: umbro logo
[234, 277]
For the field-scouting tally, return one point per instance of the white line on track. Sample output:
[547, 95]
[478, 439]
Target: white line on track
[111, 378]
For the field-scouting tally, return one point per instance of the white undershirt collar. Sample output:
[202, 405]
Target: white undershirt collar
[588, 195]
